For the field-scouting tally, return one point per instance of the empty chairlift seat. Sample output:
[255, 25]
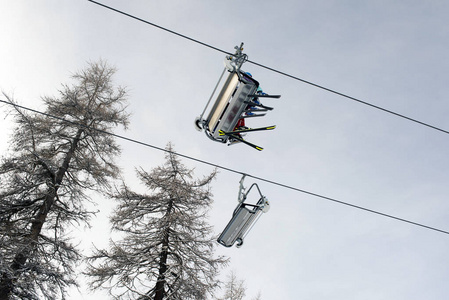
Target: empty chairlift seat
[243, 218]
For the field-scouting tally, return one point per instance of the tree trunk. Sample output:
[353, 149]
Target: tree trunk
[6, 283]
[5, 286]
[160, 284]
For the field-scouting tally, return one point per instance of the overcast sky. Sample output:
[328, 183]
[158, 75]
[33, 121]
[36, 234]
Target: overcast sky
[390, 53]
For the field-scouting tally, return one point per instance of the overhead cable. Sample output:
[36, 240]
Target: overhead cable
[230, 169]
[277, 71]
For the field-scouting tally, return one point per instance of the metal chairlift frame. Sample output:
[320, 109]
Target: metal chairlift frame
[238, 91]
[244, 217]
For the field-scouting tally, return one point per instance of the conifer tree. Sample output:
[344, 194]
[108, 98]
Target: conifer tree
[234, 288]
[167, 249]
[52, 165]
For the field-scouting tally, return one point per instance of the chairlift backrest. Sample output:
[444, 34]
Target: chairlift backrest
[230, 104]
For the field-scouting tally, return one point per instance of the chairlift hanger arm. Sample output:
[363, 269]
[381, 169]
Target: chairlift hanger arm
[234, 62]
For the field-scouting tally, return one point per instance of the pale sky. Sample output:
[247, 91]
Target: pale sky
[390, 53]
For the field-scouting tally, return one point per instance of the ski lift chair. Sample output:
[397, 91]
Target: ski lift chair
[238, 92]
[230, 105]
[244, 217]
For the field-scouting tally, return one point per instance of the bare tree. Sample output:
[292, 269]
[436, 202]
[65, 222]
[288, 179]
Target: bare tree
[167, 251]
[54, 162]
[258, 296]
[234, 288]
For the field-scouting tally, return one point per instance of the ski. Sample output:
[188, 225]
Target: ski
[250, 103]
[264, 107]
[238, 138]
[221, 132]
[255, 110]
[265, 96]
[252, 115]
